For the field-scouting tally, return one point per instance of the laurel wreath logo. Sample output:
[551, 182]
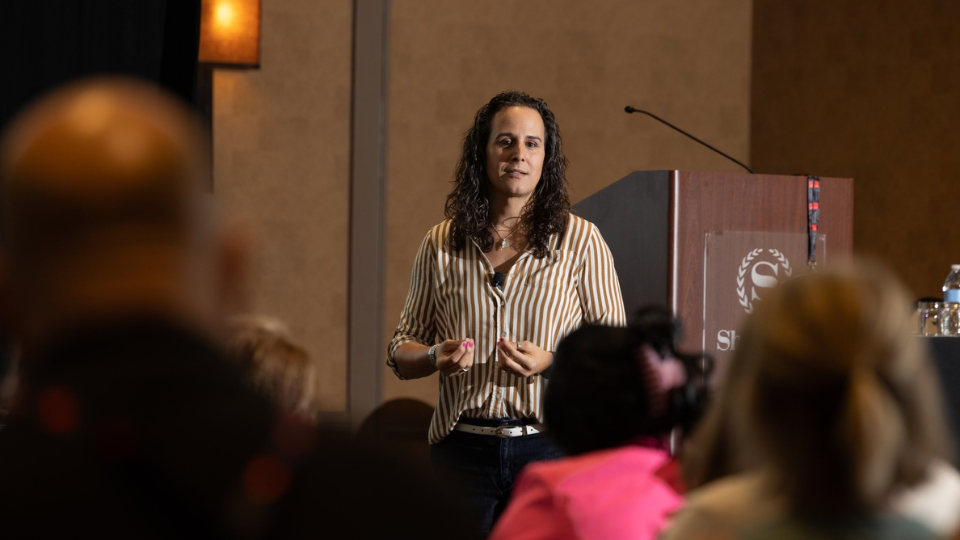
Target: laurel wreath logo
[745, 265]
[741, 275]
[787, 271]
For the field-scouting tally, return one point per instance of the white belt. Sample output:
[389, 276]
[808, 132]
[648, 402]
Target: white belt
[504, 432]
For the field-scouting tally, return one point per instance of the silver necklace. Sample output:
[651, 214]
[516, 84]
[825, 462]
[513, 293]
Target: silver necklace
[503, 239]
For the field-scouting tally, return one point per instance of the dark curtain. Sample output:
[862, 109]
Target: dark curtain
[44, 43]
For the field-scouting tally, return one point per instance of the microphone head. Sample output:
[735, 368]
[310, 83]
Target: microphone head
[629, 109]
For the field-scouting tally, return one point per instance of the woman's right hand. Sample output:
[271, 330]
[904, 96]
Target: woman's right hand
[455, 357]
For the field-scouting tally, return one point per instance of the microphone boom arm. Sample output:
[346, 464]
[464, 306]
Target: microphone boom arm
[630, 109]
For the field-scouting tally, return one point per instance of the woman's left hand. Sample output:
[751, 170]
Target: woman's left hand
[522, 358]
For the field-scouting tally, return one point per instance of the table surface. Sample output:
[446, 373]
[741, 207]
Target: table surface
[945, 352]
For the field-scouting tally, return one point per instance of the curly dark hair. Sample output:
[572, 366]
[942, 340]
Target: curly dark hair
[469, 204]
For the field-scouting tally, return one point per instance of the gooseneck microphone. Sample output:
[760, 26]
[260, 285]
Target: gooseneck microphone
[630, 109]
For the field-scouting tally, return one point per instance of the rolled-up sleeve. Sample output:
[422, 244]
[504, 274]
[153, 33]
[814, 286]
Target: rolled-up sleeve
[417, 321]
[598, 286]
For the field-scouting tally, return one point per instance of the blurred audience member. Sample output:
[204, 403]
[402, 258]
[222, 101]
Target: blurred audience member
[614, 396]
[128, 423]
[355, 490]
[831, 419]
[274, 365]
[397, 427]
[8, 389]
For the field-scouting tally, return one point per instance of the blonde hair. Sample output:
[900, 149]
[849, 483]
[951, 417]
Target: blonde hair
[274, 365]
[831, 393]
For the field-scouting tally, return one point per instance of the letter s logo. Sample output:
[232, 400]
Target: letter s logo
[763, 281]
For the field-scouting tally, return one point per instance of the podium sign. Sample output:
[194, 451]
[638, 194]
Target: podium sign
[739, 269]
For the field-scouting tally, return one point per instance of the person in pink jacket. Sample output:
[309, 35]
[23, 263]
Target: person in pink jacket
[614, 394]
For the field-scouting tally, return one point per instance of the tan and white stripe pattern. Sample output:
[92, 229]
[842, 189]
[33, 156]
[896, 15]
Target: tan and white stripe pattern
[543, 300]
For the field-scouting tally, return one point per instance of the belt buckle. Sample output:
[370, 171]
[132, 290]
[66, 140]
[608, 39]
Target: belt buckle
[501, 432]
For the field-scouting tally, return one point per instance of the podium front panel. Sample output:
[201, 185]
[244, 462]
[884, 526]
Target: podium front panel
[739, 269]
[705, 202]
[656, 224]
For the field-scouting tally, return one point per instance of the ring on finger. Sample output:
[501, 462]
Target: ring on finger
[463, 370]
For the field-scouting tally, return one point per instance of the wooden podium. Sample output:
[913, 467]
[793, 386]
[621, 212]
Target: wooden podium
[707, 244]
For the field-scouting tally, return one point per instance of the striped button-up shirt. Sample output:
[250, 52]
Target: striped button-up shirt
[452, 297]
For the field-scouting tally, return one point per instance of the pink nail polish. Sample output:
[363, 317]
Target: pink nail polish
[470, 345]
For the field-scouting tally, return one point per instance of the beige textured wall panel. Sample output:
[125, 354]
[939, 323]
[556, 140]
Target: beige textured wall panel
[687, 61]
[868, 90]
[281, 169]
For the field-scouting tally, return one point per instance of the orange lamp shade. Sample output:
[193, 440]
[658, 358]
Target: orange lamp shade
[230, 33]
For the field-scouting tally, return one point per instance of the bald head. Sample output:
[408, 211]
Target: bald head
[94, 151]
[102, 204]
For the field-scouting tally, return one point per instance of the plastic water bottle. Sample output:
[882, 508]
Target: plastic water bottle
[950, 313]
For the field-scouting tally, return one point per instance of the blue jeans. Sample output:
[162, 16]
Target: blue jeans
[482, 468]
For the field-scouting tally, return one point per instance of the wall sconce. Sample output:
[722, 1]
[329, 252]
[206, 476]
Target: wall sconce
[229, 38]
[230, 33]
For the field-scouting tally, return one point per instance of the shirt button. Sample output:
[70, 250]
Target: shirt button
[503, 334]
